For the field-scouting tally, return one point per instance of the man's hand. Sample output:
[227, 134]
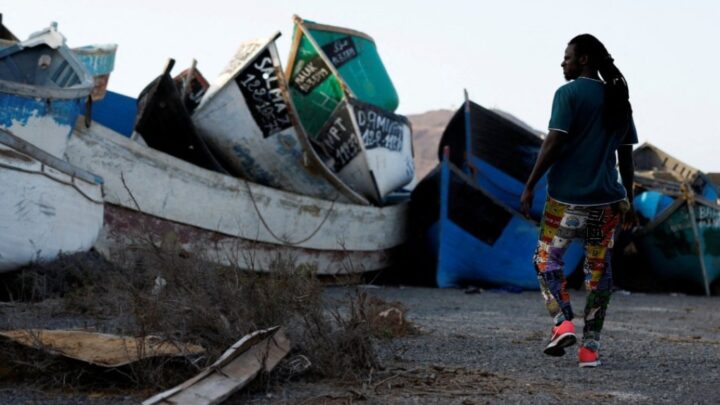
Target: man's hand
[629, 219]
[526, 200]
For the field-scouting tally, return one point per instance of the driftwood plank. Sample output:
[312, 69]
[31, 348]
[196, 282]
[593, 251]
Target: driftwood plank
[240, 364]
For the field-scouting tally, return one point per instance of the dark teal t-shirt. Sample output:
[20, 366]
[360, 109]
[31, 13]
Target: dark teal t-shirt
[586, 174]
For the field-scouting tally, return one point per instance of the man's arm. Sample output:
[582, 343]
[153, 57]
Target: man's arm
[551, 150]
[627, 175]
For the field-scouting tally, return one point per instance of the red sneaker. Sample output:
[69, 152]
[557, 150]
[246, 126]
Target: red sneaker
[588, 357]
[563, 336]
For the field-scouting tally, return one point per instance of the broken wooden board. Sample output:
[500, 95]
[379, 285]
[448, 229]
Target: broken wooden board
[240, 364]
[100, 349]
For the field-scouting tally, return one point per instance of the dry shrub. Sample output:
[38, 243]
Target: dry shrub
[183, 299]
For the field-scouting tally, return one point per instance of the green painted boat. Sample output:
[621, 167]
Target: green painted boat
[682, 243]
[328, 63]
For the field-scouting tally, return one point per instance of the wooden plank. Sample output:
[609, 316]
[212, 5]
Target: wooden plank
[240, 364]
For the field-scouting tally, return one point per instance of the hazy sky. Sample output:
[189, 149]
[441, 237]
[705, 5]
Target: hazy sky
[506, 53]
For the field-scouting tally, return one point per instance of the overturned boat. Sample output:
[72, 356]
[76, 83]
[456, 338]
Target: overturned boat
[47, 206]
[345, 101]
[152, 197]
[468, 228]
[43, 88]
[252, 127]
[678, 208]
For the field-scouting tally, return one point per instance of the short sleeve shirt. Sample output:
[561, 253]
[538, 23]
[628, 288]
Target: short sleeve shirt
[586, 174]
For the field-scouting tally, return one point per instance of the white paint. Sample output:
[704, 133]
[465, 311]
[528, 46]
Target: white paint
[225, 122]
[172, 189]
[40, 216]
[44, 132]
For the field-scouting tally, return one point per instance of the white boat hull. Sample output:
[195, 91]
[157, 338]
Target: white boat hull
[249, 124]
[44, 211]
[226, 219]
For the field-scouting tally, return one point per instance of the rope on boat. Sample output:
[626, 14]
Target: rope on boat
[283, 240]
[42, 172]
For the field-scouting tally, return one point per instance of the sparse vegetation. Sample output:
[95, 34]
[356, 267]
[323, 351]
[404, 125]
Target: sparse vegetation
[182, 299]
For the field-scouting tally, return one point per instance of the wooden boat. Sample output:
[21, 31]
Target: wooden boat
[474, 238]
[465, 213]
[153, 196]
[326, 63]
[165, 124]
[339, 84]
[42, 107]
[678, 207]
[251, 127]
[99, 60]
[47, 206]
[369, 149]
[501, 154]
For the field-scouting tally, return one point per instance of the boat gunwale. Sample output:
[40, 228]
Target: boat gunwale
[8, 139]
[333, 28]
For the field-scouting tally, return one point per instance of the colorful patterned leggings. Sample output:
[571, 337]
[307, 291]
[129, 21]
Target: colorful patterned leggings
[595, 225]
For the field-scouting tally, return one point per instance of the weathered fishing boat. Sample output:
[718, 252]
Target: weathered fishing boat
[99, 60]
[43, 88]
[326, 63]
[474, 237]
[465, 213]
[117, 112]
[165, 124]
[497, 153]
[345, 100]
[47, 206]
[369, 149]
[678, 207]
[153, 196]
[252, 128]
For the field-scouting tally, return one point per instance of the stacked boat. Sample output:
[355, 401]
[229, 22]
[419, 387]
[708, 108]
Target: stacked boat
[243, 171]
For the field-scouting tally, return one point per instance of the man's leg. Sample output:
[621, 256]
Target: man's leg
[558, 228]
[602, 223]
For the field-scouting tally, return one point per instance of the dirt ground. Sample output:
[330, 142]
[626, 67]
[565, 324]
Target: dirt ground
[487, 348]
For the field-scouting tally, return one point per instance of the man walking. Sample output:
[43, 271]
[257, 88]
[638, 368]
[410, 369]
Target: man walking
[591, 121]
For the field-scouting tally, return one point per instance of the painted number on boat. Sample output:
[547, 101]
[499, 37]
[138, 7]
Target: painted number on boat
[379, 129]
[310, 75]
[337, 143]
[340, 51]
[259, 84]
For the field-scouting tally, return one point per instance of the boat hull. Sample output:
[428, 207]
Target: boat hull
[46, 207]
[475, 238]
[369, 149]
[250, 125]
[240, 213]
[669, 244]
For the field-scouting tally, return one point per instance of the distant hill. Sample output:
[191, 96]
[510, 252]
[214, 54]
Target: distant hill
[427, 130]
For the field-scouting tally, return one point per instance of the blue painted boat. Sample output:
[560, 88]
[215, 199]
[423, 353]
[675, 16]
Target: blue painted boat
[117, 112]
[99, 60]
[476, 238]
[501, 154]
[680, 216]
[43, 88]
[467, 209]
